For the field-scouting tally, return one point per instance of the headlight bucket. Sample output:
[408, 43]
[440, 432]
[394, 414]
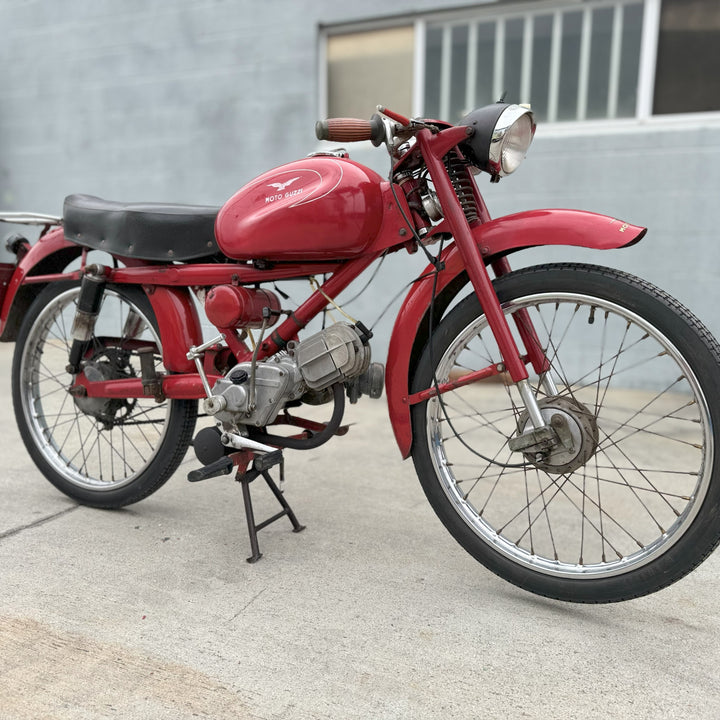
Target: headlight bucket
[503, 133]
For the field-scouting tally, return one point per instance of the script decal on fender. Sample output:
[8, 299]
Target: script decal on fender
[279, 187]
[623, 227]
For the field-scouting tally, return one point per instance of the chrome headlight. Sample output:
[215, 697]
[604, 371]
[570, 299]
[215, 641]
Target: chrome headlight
[501, 138]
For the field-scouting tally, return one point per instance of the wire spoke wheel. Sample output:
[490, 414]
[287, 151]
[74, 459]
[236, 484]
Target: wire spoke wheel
[624, 503]
[106, 452]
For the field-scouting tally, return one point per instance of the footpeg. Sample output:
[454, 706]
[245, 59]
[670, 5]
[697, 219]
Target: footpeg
[265, 462]
[220, 467]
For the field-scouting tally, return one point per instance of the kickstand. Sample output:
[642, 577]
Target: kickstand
[261, 466]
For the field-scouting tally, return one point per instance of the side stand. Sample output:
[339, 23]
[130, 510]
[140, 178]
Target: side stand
[261, 466]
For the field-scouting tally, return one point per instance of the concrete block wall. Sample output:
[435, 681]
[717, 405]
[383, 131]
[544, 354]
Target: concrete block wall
[186, 100]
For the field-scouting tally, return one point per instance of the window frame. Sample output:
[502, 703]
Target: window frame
[643, 116]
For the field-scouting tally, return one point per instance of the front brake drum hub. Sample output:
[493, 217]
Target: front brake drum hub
[576, 429]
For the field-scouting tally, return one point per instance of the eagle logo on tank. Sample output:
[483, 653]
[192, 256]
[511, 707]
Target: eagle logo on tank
[281, 186]
[302, 193]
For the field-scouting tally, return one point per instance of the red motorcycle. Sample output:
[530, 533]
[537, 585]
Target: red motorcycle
[563, 419]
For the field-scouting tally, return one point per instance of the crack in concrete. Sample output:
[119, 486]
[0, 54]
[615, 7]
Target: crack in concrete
[41, 521]
[247, 605]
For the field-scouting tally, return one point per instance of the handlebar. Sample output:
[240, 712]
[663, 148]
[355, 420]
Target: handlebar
[351, 130]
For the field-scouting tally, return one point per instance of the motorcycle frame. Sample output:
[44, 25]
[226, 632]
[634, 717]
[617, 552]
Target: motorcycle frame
[476, 248]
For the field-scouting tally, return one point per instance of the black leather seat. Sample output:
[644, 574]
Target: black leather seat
[148, 231]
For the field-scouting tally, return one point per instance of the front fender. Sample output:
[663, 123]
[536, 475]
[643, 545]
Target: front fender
[494, 240]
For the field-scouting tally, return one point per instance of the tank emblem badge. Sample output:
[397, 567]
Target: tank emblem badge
[281, 186]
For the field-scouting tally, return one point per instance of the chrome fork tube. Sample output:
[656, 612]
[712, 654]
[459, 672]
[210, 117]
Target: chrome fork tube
[548, 384]
[531, 404]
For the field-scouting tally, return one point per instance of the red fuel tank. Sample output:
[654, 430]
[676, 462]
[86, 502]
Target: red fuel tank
[320, 208]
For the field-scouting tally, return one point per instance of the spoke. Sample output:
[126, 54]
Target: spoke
[643, 475]
[60, 414]
[645, 429]
[615, 359]
[82, 447]
[640, 488]
[581, 559]
[600, 514]
[641, 363]
[480, 420]
[657, 471]
[555, 346]
[106, 437]
[484, 475]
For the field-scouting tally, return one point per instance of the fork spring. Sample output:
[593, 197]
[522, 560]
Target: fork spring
[462, 182]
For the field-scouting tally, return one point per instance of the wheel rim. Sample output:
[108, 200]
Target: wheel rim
[92, 453]
[643, 484]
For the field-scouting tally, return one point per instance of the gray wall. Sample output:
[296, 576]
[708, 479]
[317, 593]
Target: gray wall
[186, 100]
[175, 100]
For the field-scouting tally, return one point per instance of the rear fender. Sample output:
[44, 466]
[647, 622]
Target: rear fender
[494, 239]
[49, 255]
[174, 308]
[179, 325]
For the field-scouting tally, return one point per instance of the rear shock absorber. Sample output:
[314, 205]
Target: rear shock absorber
[462, 182]
[89, 301]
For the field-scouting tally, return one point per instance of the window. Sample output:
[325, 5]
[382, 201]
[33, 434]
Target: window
[688, 59]
[572, 60]
[367, 68]
[570, 64]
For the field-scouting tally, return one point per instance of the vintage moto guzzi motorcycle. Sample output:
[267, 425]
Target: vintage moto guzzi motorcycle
[563, 419]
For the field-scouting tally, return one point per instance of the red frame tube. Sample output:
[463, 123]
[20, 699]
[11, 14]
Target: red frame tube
[332, 287]
[468, 379]
[176, 387]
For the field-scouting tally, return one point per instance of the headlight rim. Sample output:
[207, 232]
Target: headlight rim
[491, 125]
[506, 121]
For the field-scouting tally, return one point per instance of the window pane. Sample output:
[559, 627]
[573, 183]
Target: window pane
[569, 66]
[539, 85]
[628, 81]
[599, 79]
[433, 60]
[513, 59]
[598, 38]
[458, 73]
[485, 64]
[687, 78]
[370, 68]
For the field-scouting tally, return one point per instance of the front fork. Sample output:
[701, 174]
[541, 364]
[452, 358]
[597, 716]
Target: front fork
[535, 352]
[434, 149]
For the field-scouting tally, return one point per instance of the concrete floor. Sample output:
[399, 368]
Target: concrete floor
[373, 612]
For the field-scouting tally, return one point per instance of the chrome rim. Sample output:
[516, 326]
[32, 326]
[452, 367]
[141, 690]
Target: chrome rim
[643, 482]
[97, 451]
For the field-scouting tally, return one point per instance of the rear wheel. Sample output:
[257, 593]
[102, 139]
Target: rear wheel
[627, 503]
[101, 452]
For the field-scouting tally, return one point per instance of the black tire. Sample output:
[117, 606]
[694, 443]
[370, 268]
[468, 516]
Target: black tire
[101, 453]
[635, 385]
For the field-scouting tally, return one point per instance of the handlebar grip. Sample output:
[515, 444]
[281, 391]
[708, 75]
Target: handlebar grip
[351, 130]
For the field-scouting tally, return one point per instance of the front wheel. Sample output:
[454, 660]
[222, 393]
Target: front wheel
[627, 503]
[101, 452]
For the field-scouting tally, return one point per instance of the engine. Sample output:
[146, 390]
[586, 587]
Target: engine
[339, 353]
